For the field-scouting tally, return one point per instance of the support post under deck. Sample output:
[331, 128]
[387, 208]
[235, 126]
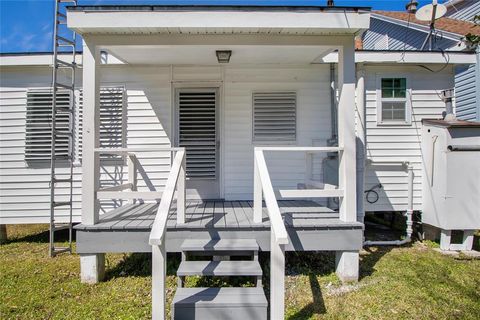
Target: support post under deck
[346, 265]
[3, 233]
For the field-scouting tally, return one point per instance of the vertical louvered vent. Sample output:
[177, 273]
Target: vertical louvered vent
[197, 132]
[112, 134]
[274, 116]
[38, 137]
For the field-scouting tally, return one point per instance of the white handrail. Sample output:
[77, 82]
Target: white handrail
[276, 222]
[278, 234]
[127, 150]
[176, 180]
[304, 149]
[160, 223]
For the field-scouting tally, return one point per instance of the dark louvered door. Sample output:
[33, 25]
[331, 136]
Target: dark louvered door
[197, 132]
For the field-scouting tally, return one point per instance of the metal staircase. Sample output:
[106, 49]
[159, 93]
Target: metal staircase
[214, 302]
[63, 82]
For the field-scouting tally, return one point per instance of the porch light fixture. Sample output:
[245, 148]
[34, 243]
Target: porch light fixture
[223, 56]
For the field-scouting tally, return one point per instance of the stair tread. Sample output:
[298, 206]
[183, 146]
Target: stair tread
[225, 297]
[219, 268]
[219, 245]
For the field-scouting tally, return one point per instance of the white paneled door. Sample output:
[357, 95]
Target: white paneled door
[197, 131]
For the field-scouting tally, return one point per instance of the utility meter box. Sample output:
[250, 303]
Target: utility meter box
[451, 174]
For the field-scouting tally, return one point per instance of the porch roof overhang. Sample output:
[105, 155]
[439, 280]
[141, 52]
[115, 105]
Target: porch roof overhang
[366, 57]
[218, 20]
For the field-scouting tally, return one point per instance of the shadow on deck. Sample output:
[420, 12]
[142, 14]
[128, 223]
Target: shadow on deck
[310, 227]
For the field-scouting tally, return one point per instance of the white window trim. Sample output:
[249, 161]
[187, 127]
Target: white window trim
[408, 100]
[266, 143]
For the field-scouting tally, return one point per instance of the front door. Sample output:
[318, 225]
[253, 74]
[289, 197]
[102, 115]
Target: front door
[197, 131]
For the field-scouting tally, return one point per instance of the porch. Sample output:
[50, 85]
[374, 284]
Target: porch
[216, 131]
[310, 227]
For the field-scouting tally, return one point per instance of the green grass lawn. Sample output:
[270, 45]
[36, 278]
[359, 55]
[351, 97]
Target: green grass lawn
[413, 282]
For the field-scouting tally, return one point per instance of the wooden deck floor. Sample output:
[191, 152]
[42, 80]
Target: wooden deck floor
[218, 214]
[310, 227]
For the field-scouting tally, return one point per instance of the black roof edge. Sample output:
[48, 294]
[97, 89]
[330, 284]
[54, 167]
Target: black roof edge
[357, 50]
[213, 8]
[39, 53]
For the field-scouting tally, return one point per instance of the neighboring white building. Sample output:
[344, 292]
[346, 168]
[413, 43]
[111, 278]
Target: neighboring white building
[400, 31]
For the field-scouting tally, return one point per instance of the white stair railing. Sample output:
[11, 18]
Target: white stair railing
[175, 181]
[279, 237]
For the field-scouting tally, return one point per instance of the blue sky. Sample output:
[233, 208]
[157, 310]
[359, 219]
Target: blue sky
[26, 25]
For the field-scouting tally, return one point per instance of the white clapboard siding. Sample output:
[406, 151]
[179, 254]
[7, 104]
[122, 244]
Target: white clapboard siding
[402, 142]
[198, 131]
[465, 93]
[24, 187]
[311, 85]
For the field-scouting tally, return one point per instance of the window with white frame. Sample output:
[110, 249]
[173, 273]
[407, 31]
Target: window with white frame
[274, 116]
[38, 137]
[393, 101]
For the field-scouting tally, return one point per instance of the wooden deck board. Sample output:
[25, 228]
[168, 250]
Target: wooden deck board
[219, 220]
[230, 217]
[242, 219]
[217, 215]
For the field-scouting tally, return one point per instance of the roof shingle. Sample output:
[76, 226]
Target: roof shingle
[459, 27]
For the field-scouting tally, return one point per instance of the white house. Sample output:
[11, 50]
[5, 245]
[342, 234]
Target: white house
[186, 116]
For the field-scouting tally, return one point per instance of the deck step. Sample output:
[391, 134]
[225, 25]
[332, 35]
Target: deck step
[219, 303]
[220, 245]
[219, 268]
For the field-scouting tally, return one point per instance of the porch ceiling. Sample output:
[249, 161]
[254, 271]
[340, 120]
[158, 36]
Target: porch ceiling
[218, 20]
[205, 55]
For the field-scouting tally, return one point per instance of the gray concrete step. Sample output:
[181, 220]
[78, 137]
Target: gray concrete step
[219, 268]
[220, 245]
[219, 303]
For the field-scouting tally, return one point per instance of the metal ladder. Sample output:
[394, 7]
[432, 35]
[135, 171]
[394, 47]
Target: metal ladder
[63, 46]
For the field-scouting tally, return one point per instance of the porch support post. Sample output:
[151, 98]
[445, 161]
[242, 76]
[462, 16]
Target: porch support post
[3, 233]
[361, 142]
[92, 265]
[346, 130]
[347, 262]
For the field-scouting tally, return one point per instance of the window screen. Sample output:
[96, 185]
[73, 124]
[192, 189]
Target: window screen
[274, 116]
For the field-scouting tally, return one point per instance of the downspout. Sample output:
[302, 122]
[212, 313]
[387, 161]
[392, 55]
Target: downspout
[408, 214]
[333, 141]
[477, 81]
[361, 140]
